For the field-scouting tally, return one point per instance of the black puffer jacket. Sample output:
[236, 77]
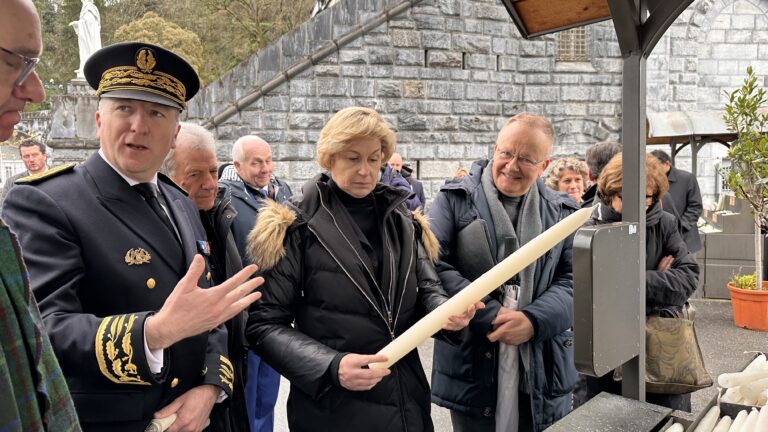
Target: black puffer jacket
[318, 280]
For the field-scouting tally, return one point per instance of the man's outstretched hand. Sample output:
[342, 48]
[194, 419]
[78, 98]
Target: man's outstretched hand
[191, 310]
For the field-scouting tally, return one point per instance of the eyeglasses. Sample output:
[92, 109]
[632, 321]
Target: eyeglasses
[523, 161]
[19, 63]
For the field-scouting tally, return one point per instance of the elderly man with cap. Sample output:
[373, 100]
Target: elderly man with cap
[118, 259]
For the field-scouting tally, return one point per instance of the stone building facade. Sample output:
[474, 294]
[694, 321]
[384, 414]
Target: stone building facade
[447, 73]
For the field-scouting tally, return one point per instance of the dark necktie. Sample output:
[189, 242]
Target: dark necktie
[149, 192]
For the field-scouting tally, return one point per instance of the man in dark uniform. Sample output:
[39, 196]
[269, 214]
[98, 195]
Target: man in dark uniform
[116, 258]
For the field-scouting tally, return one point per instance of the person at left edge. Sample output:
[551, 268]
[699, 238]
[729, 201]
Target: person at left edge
[34, 396]
[116, 258]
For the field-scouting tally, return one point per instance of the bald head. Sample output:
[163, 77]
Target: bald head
[252, 158]
[396, 162]
[20, 34]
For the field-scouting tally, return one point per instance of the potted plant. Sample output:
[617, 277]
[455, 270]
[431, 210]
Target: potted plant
[748, 179]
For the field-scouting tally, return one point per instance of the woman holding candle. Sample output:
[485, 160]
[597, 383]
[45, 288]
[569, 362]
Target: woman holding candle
[351, 268]
[671, 272]
[568, 175]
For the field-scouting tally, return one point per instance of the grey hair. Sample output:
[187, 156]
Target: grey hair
[194, 136]
[237, 147]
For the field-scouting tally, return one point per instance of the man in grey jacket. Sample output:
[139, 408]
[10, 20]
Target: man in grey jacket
[515, 371]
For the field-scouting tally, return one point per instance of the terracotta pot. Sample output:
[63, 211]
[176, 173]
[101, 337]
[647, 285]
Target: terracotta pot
[750, 307]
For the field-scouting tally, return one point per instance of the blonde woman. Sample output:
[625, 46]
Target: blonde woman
[348, 269]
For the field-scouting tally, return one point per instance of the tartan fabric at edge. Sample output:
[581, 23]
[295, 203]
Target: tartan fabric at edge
[34, 393]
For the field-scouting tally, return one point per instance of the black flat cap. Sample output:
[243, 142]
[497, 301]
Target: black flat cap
[142, 71]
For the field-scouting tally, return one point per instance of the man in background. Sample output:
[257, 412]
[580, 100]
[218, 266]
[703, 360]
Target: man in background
[35, 396]
[33, 155]
[396, 163]
[252, 158]
[192, 165]
[686, 197]
[598, 156]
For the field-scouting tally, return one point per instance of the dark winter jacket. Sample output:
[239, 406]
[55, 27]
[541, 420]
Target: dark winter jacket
[671, 287]
[465, 378]
[394, 179]
[319, 282]
[231, 414]
[588, 199]
[247, 201]
[684, 193]
[416, 186]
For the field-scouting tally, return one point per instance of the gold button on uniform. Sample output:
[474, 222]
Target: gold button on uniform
[174, 382]
[208, 276]
[150, 283]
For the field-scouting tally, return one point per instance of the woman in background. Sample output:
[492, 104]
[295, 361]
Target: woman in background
[569, 175]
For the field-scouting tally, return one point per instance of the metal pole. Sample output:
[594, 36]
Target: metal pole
[633, 205]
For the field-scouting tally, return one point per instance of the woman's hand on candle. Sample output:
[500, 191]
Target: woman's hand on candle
[458, 322]
[355, 376]
[511, 327]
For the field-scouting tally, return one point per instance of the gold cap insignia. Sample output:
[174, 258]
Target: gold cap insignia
[137, 256]
[145, 59]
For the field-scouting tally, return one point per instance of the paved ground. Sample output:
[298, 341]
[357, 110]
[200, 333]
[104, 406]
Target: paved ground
[725, 349]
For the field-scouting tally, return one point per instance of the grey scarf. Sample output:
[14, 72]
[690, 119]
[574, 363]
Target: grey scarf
[528, 227]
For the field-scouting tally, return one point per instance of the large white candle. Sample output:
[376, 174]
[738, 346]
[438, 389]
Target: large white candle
[481, 287]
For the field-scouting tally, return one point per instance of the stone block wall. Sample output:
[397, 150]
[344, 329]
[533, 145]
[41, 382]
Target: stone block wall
[445, 73]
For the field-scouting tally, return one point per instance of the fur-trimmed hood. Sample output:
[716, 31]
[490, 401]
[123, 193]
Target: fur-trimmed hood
[428, 238]
[265, 242]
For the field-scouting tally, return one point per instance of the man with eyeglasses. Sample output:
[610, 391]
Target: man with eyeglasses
[515, 371]
[20, 47]
[34, 393]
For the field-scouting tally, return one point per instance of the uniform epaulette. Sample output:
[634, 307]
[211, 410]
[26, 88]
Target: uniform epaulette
[53, 172]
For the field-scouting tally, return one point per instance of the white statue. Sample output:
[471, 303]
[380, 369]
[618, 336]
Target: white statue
[88, 29]
[321, 5]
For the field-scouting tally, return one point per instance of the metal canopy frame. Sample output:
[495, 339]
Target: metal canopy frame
[639, 25]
